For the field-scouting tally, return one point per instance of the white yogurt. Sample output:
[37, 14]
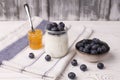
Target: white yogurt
[56, 45]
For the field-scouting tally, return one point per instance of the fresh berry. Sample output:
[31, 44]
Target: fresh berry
[86, 50]
[99, 50]
[100, 65]
[47, 57]
[74, 62]
[106, 45]
[81, 49]
[93, 52]
[104, 49]
[60, 28]
[54, 24]
[95, 46]
[84, 41]
[49, 26]
[72, 75]
[31, 55]
[79, 44]
[83, 67]
[96, 40]
[62, 24]
[92, 43]
[88, 46]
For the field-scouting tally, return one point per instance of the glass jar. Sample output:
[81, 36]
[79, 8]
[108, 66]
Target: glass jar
[56, 43]
[35, 39]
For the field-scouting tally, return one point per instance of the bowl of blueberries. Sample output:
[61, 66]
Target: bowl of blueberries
[92, 50]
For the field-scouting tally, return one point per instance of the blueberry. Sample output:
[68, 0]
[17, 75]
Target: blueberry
[93, 52]
[92, 43]
[72, 75]
[81, 49]
[95, 46]
[83, 67]
[60, 28]
[74, 62]
[54, 29]
[47, 57]
[95, 40]
[88, 46]
[86, 50]
[31, 55]
[99, 50]
[100, 65]
[104, 49]
[106, 45]
[49, 26]
[62, 24]
[85, 41]
[79, 44]
[54, 24]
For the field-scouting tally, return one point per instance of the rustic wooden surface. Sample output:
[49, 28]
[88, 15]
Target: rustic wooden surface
[61, 9]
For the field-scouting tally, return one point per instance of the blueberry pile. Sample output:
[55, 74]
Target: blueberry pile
[56, 27]
[92, 46]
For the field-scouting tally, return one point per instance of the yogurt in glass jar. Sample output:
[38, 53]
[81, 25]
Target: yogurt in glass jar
[56, 40]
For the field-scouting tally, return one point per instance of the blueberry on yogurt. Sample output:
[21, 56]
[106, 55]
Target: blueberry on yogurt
[56, 27]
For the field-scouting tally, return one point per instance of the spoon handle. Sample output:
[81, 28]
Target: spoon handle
[26, 6]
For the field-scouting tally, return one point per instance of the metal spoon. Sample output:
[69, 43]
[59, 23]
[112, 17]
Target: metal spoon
[26, 6]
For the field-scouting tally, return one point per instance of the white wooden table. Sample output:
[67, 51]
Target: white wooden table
[111, 28]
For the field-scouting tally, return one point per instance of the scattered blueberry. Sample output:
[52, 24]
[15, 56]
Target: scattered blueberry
[31, 55]
[47, 57]
[72, 75]
[74, 62]
[83, 67]
[100, 65]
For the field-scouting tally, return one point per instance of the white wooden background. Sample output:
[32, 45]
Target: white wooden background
[61, 9]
